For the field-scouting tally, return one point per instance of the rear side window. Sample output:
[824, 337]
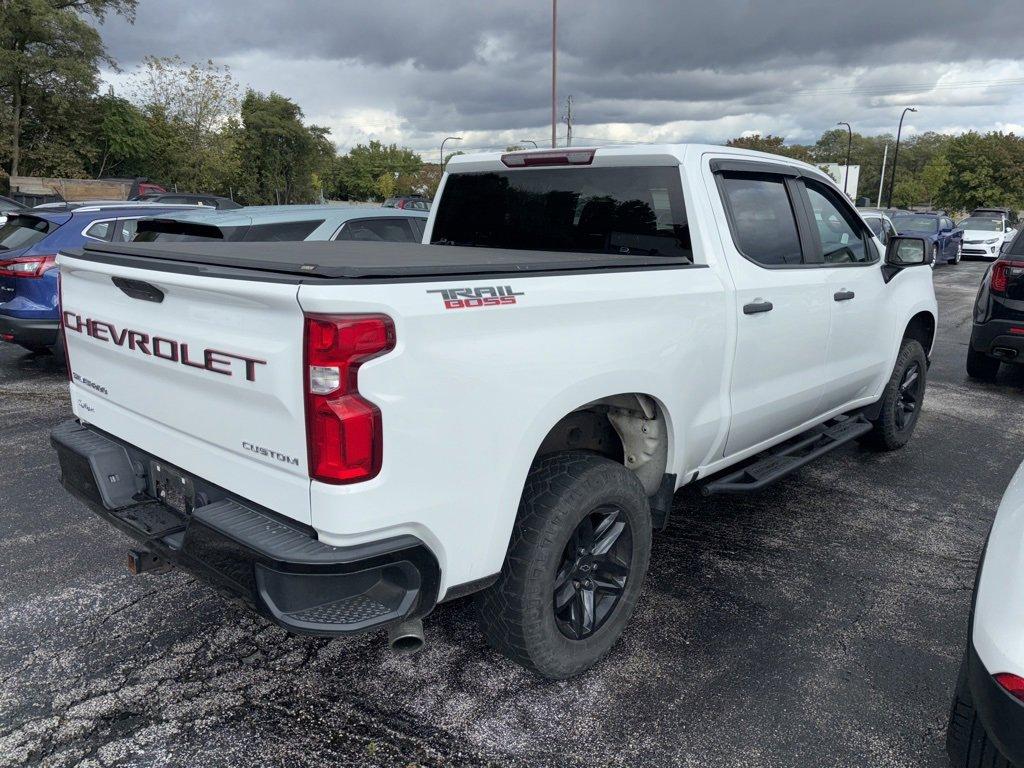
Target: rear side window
[286, 231]
[761, 218]
[100, 230]
[840, 234]
[170, 231]
[24, 232]
[591, 210]
[379, 230]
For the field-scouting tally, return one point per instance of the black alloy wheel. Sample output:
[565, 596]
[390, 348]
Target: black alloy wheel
[908, 403]
[592, 573]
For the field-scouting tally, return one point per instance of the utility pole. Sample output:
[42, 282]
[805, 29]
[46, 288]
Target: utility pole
[568, 121]
[881, 177]
[896, 153]
[554, 70]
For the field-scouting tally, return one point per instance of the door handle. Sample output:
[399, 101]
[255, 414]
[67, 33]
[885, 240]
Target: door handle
[843, 295]
[756, 307]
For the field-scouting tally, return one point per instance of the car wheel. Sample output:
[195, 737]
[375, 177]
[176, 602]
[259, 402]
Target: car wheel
[967, 742]
[959, 253]
[935, 255]
[575, 566]
[982, 367]
[902, 399]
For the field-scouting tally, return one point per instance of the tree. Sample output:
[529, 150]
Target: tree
[773, 144]
[49, 55]
[357, 175]
[934, 176]
[120, 135]
[278, 155]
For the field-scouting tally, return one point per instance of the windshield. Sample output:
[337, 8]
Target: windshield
[590, 210]
[915, 222]
[983, 223]
[24, 232]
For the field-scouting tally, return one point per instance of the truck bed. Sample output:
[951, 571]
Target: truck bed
[356, 261]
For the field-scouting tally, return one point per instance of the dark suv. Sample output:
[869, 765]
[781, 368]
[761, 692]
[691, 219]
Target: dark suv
[998, 334]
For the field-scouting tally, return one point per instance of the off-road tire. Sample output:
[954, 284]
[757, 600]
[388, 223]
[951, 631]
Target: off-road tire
[887, 434]
[982, 367]
[967, 743]
[517, 613]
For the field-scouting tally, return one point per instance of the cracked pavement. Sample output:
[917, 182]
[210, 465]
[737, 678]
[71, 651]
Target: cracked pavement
[818, 623]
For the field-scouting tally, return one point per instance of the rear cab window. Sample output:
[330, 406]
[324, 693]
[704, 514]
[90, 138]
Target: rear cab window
[630, 210]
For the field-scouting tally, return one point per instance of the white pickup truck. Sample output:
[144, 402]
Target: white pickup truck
[348, 433]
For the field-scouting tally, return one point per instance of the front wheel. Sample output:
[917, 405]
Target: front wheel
[935, 256]
[575, 566]
[959, 253]
[902, 399]
[967, 742]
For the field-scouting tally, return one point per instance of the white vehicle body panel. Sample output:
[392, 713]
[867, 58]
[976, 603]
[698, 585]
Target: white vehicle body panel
[467, 397]
[999, 610]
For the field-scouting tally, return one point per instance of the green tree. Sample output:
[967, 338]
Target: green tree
[120, 136]
[357, 174]
[49, 62]
[773, 144]
[278, 155]
[933, 178]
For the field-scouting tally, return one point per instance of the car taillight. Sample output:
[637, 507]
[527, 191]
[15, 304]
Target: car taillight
[1012, 684]
[28, 266]
[1002, 271]
[343, 430]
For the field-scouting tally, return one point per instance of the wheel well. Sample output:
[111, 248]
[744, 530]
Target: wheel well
[630, 429]
[921, 328]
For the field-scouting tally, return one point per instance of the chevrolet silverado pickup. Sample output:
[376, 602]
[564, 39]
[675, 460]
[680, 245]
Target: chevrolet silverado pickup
[346, 434]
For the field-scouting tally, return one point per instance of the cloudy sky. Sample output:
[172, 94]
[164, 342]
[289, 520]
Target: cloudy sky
[638, 70]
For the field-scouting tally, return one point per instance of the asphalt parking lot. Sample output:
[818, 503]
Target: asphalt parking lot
[819, 623]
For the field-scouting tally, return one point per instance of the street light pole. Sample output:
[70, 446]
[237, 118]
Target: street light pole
[849, 146]
[528, 141]
[449, 138]
[896, 153]
[554, 69]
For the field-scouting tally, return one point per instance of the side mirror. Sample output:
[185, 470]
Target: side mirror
[904, 252]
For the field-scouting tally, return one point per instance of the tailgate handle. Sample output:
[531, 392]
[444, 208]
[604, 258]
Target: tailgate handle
[139, 289]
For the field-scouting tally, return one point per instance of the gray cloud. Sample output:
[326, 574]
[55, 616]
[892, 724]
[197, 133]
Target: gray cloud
[696, 68]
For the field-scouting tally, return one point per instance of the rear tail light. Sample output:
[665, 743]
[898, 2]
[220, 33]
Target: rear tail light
[343, 430]
[28, 266]
[550, 157]
[1003, 272]
[1012, 684]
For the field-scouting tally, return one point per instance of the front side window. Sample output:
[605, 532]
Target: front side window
[378, 230]
[842, 239]
[761, 218]
[876, 225]
[637, 210]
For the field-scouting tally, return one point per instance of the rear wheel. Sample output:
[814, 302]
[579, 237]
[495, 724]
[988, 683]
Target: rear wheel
[982, 367]
[901, 399]
[935, 255]
[959, 253]
[967, 743]
[575, 566]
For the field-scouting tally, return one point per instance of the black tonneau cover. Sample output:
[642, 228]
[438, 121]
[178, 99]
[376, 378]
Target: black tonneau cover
[354, 261]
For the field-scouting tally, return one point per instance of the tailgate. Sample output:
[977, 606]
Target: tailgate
[204, 373]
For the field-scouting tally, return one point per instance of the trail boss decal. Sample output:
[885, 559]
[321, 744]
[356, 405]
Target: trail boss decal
[484, 296]
[212, 360]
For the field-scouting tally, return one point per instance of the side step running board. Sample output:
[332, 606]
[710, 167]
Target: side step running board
[789, 457]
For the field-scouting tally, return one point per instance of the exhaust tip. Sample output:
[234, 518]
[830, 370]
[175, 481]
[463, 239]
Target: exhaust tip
[406, 638]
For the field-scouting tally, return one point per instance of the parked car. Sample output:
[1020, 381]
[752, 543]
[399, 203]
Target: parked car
[7, 207]
[984, 235]
[944, 238]
[29, 242]
[408, 202]
[1007, 213]
[178, 198]
[286, 223]
[880, 223]
[998, 333]
[345, 436]
[986, 721]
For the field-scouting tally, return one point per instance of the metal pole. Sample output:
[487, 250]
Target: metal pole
[849, 146]
[528, 141]
[568, 121]
[881, 179]
[449, 138]
[896, 153]
[554, 69]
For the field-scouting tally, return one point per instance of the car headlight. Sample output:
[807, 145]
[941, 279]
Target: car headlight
[992, 241]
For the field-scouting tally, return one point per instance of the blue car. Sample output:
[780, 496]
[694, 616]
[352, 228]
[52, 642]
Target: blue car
[29, 242]
[945, 239]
